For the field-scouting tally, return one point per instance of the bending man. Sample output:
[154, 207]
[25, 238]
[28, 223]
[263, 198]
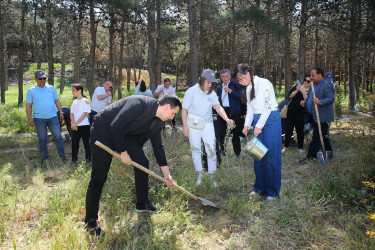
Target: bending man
[125, 126]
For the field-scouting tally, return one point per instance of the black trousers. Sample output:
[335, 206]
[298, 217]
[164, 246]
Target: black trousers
[84, 133]
[236, 132]
[315, 144]
[101, 162]
[294, 120]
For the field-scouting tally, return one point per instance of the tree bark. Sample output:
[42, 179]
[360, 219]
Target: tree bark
[2, 56]
[286, 21]
[302, 42]
[158, 43]
[21, 54]
[193, 40]
[77, 42]
[111, 42]
[151, 56]
[91, 71]
[36, 46]
[353, 52]
[121, 58]
[266, 46]
[63, 61]
[49, 35]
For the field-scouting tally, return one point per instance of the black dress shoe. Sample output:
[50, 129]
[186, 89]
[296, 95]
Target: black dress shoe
[146, 207]
[303, 161]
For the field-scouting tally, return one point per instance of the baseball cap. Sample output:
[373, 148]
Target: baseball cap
[328, 76]
[209, 74]
[39, 74]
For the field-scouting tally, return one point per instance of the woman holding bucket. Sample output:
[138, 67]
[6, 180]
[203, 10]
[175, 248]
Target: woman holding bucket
[197, 119]
[263, 113]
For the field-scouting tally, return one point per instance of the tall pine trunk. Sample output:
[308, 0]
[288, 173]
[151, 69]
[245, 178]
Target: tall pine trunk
[302, 42]
[77, 42]
[193, 40]
[2, 57]
[63, 60]
[151, 56]
[91, 71]
[121, 58]
[49, 35]
[21, 54]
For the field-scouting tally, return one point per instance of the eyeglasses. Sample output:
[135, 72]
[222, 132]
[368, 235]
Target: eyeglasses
[43, 78]
[308, 81]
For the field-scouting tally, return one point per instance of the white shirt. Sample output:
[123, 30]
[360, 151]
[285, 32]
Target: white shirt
[263, 103]
[96, 104]
[169, 90]
[226, 101]
[78, 108]
[199, 103]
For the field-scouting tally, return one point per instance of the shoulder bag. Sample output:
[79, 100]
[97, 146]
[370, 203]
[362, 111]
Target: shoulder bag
[284, 110]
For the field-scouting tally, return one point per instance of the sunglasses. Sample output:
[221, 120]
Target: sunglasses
[308, 81]
[43, 78]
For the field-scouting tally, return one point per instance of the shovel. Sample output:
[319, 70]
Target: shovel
[319, 155]
[182, 190]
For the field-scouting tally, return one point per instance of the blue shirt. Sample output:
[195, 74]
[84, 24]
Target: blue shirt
[43, 101]
[309, 102]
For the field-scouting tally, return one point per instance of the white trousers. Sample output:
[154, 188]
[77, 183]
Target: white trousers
[207, 134]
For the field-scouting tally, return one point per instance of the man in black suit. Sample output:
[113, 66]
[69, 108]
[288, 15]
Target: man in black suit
[229, 94]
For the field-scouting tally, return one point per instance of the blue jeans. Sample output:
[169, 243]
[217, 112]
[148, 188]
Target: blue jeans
[41, 129]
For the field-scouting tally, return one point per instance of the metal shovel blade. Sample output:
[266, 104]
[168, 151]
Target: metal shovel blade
[207, 202]
[320, 157]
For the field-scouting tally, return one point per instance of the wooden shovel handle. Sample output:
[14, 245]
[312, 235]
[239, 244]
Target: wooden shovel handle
[110, 151]
[318, 120]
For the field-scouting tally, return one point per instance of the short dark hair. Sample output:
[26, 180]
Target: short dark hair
[318, 70]
[167, 80]
[201, 84]
[142, 86]
[171, 100]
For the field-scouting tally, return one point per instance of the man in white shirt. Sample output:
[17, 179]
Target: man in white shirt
[163, 89]
[101, 97]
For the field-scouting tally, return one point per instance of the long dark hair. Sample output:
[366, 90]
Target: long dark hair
[78, 86]
[142, 86]
[201, 84]
[242, 69]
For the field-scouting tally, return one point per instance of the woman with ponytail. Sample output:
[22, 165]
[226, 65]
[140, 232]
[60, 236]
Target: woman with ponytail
[262, 112]
[80, 123]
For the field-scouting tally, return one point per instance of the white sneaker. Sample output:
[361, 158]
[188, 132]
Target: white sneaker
[301, 151]
[271, 198]
[214, 183]
[283, 150]
[253, 193]
[199, 180]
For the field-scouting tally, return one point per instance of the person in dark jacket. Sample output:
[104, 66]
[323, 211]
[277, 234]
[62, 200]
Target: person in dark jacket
[229, 94]
[325, 97]
[125, 126]
[296, 114]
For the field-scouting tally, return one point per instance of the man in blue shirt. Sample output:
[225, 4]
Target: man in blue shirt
[42, 99]
[324, 99]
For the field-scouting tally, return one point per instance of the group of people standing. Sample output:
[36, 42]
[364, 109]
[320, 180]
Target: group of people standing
[41, 103]
[128, 123]
[301, 111]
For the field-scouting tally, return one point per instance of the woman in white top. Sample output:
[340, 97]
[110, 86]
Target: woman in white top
[198, 123]
[141, 89]
[80, 123]
[262, 112]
